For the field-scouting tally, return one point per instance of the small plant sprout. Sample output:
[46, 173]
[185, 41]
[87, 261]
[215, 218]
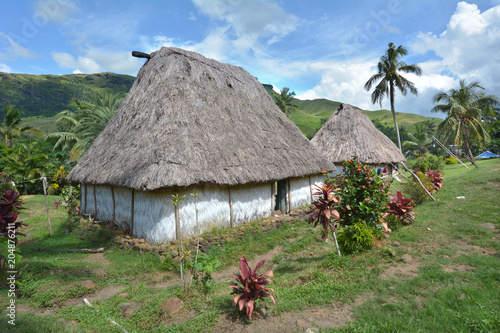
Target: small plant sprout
[251, 287]
[323, 209]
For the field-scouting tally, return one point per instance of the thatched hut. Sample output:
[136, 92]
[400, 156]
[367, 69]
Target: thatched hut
[349, 132]
[193, 125]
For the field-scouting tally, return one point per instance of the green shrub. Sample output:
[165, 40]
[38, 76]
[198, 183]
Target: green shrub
[414, 191]
[355, 238]
[451, 160]
[428, 161]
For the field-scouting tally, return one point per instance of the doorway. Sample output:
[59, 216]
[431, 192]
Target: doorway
[281, 194]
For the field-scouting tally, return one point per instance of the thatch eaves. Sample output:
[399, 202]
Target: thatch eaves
[192, 120]
[349, 132]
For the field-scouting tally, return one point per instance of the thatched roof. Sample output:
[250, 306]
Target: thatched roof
[192, 120]
[349, 132]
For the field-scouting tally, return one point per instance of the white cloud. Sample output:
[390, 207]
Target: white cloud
[468, 48]
[245, 25]
[98, 60]
[55, 11]
[4, 68]
[13, 51]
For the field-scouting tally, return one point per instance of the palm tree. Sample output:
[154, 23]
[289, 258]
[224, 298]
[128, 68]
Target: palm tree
[465, 108]
[389, 67]
[285, 99]
[420, 138]
[11, 126]
[78, 130]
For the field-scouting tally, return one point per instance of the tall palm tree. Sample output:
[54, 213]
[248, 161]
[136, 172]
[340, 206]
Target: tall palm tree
[79, 129]
[285, 99]
[12, 125]
[465, 108]
[388, 74]
[419, 139]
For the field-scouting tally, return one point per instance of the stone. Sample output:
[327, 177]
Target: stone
[312, 330]
[407, 258]
[263, 312]
[204, 249]
[177, 260]
[301, 322]
[142, 241]
[174, 253]
[488, 226]
[128, 308]
[123, 295]
[397, 244]
[162, 248]
[89, 284]
[171, 306]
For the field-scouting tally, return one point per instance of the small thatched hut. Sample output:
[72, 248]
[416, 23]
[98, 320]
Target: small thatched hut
[349, 132]
[193, 125]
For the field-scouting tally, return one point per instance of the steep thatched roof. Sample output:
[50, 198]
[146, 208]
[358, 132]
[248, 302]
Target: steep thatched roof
[192, 120]
[350, 132]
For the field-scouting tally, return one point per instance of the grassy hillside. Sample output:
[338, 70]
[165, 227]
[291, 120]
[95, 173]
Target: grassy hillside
[309, 114]
[46, 95]
[46, 124]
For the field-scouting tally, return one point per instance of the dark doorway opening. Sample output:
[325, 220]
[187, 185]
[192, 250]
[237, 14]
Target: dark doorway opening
[281, 196]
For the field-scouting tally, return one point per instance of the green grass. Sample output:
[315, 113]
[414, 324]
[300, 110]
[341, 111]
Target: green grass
[454, 287]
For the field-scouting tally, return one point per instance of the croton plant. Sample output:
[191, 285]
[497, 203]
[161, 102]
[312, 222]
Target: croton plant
[251, 287]
[323, 207]
[400, 208]
[436, 178]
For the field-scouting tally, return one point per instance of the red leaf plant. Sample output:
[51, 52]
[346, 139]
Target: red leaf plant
[400, 208]
[436, 178]
[253, 286]
[10, 204]
[323, 207]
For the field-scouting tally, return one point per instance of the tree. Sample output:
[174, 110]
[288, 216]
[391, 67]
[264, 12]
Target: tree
[465, 109]
[11, 126]
[420, 138]
[285, 99]
[78, 130]
[389, 67]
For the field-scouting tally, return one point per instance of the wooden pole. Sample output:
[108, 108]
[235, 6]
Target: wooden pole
[113, 197]
[418, 180]
[311, 188]
[289, 196]
[95, 204]
[46, 202]
[177, 223]
[231, 223]
[132, 214]
[449, 152]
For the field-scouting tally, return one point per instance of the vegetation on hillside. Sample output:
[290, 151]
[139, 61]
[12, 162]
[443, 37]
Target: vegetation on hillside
[47, 95]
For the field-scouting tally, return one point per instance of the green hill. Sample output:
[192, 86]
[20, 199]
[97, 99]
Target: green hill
[47, 95]
[41, 97]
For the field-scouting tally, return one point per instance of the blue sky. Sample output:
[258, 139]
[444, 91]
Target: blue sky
[317, 48]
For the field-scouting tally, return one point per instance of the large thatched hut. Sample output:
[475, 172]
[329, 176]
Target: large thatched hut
[349, 132]
[192, 125]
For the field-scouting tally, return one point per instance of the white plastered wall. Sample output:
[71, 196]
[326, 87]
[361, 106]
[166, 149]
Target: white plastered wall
[300, 191]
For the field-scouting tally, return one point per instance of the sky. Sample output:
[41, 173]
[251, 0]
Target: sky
[317, 48]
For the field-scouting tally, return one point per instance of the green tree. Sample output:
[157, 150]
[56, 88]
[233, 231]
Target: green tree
[78, 130]
[389, 66]
[12, 125]
[465, 109]
[420, 138]
[284, 100]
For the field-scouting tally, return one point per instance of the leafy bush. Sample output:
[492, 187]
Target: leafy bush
[451, 160]
[323, 207]
[400, 210]
[202, 268]
[356, 237]
[413, 190]
[363, 195]
[252, 286]
[428, 161]
[436, 178]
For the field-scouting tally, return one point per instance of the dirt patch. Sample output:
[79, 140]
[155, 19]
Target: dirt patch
[40, 312]
[466, 248]
[99, 259]
[401, 271]
[326, 317]
[493, 184]
[225, 275]
[458, 268]
[99, 295]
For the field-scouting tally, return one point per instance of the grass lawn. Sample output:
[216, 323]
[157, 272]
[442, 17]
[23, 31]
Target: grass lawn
[450, 282]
